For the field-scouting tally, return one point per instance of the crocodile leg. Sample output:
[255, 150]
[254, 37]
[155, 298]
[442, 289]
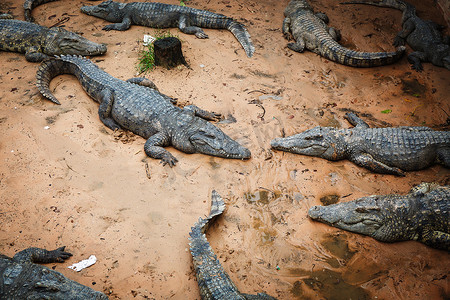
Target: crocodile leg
[407, 29]
[335, 33]
[355, 120]
[286, 28]
[443, 157]
[38, 255]
[104, 110]
[185, 28]
[6, 16]
[415, 59]
[436, 239]
[34, 55]
[126, 23]
[367, 161]
[298, 46]
[207, 115]
[154, 148]
[142, 81]
[323, 17]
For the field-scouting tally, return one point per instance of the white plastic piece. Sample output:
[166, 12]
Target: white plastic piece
[84, 263]
[148, 39]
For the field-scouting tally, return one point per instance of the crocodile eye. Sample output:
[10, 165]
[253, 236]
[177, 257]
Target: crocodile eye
[200, 142]
[207, 134]
[366, 209]
[317, 137]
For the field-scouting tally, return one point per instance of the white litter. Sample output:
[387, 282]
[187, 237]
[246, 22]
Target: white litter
[148, 39]
[47, 127]
[83, 264]
[274, 97]
[202, 66]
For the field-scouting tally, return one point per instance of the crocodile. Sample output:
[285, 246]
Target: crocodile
[160, 15]
[40, 42]
[390, 150]
[421, 215]
[213, 281]
[138, 106]
[423, 36]
[22, 277]
[310, 31]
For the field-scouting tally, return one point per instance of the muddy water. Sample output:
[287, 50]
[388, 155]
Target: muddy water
[77, 184]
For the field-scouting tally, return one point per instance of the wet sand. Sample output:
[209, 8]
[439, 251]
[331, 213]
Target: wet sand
[78, 184]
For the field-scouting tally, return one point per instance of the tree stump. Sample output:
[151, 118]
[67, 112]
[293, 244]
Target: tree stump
[168, 53]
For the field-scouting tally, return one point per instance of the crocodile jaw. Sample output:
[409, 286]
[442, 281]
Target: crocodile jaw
[360, 216]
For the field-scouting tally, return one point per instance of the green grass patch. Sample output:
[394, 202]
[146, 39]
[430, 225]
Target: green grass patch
[146, 59]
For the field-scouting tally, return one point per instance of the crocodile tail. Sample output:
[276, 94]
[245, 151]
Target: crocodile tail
[397, 4]
[217, 208]
[49, 69]
[28, 6]
[335, 52]
[213, 281]
[198, 238]
[242, 35]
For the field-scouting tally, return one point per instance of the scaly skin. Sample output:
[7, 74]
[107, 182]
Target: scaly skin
[423, 36]
[213, 281]
[310, 31]
[5, 16]
[381, 150]
[421, 215]
[22, 278]
[39, 42]
[160, 15]
[137, 106]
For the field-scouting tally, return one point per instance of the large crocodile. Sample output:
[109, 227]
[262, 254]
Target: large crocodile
[310, 31]
[213, 281]
[137, 105]
[160, 15]
[389, 150]
[421, 215]
[423, 36]
[39, 42]
[22, 278]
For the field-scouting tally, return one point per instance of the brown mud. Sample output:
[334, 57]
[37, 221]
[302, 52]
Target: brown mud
[78, 184]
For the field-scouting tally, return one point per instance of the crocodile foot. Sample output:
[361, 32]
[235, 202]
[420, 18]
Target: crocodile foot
[168, 159]
[59, 254]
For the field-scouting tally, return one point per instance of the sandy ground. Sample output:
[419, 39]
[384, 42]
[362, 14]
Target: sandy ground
[79, 184]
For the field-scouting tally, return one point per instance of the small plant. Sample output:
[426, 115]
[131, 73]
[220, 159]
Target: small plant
[146, 60]
[182, 2]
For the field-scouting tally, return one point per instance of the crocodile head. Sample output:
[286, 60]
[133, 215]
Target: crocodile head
[61, 41]
[203, 137]
[109, 10]
[53, 285]
[372, 216]
[295, 5]
[324, 142]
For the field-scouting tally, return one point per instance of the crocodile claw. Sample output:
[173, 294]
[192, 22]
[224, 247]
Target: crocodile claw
[169, 159]
[418, 67]
[108, 27]
[60, 255]
[398, 41]
[201, 35]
